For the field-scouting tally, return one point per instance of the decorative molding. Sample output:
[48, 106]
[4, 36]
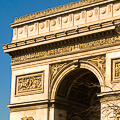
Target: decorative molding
[29, 83]
[110, 98]
[117, 28]
[99, 62]
[117, 7]
[65, 20]
[29, 107]
[90, 14]
[77, 17]
[21, 31]
[42, 25]
[31, 28]
[53, 22]
[55, 68]
[55, 10]
[116, 70]
[66, 49]
[103, 10]
[78, 30]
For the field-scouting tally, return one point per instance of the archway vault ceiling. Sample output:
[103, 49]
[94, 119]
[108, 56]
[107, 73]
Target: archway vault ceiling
[81, 85]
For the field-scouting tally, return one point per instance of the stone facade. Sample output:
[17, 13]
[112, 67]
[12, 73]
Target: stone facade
[66, 63]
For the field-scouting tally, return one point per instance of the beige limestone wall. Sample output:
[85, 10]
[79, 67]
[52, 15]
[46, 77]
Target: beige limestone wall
[110, 68]
[32, 97]
[110, 110]
[38, 114]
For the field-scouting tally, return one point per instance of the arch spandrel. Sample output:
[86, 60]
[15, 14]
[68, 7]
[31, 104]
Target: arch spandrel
[94, 64]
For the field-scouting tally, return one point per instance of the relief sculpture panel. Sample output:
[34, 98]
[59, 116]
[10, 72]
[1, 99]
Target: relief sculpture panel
[65, 49]
[29, 84]
[99, 62]
[116, 70]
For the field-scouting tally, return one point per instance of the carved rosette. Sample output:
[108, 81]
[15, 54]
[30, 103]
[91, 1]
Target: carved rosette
[77, 17]
[117, 7]
[29, 84]
[103, 10]
[90, 14]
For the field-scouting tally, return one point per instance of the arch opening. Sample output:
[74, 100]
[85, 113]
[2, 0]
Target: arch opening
[77, 95]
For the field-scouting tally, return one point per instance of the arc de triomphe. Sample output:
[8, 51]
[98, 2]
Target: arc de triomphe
[66, 63]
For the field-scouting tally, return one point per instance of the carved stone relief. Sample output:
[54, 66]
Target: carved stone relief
[99, 62]
[65, 49]
[55, 68]
[117, 7]
[116, 70]
[20, 31]
[77, 17]
[117, 28]
[65, 20]
[103, 10]
[30, 83]
[53, 22]
[90, 14]
[41, 25]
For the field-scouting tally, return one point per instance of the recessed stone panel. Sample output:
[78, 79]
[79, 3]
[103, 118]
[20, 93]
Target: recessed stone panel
[29, 83]
[67, 21]
[55, 24]
[44, 26]
[93, 14]
[116, 9]
[22, 32]
[106, 11]
[33, 29]
[116, 70]
[15, 33]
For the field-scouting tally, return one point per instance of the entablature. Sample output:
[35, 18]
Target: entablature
[61, 36]
[89, 13]
[81, 28]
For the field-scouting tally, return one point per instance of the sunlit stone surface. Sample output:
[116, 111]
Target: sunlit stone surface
[66, 63]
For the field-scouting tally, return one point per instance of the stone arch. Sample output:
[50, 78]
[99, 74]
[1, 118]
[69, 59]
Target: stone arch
[71, 67]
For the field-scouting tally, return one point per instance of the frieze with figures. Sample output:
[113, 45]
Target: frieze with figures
[30, 83]
[65, 49]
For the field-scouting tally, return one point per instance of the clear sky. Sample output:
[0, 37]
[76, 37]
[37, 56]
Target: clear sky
[9, 9]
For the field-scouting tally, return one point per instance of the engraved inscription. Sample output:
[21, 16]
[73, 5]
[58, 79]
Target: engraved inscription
[29, 83]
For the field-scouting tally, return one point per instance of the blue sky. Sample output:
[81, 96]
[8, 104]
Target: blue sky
[9, 9]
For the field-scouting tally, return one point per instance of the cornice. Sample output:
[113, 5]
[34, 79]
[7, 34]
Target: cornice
[27, 103]
[59, 9]
[99, 27]
[68, 47]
